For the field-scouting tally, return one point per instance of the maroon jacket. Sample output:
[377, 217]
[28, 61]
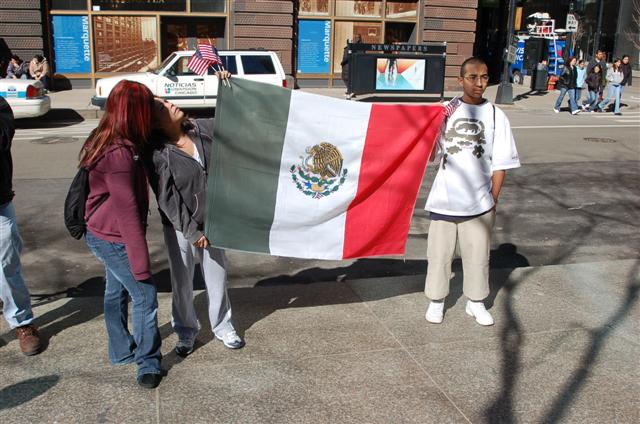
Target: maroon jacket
[122, 217]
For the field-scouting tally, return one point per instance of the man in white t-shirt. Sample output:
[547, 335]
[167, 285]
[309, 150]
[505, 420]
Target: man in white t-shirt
[476, 148]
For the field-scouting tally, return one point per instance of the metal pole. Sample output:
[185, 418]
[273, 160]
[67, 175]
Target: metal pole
[504, 96]
[569, 40]
[596, 42]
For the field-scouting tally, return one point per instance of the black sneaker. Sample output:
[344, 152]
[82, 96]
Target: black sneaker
[149, 381]
[183, 350]
[618, 114]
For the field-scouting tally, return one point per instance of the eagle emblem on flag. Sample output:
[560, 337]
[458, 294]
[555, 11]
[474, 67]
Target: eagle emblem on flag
[320, 173]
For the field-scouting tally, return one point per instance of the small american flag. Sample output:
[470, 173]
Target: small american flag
[198, 64]
[451, 106]
[209, 53]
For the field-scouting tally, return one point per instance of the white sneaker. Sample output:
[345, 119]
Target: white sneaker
[435, 312]
[575, 112]
[231, 340]
[556, 110]
[477, 310]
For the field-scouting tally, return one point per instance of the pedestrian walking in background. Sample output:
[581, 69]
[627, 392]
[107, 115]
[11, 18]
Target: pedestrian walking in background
[39, 70]
[599, 59]
[594, 85]
[476, 149]
[180, 166]
[17, 68]
[16, 303]
[581, 75]
[626, 73]
[614, 86]
[117, 208]
[567, 86]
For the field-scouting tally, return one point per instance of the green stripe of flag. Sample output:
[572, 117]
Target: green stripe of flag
[257, 113]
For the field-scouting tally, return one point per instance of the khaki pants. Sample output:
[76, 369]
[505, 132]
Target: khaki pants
[474, 238]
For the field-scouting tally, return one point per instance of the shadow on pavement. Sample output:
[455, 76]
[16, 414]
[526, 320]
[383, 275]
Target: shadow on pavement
[526, 95]
[23, 392]
[55, 118]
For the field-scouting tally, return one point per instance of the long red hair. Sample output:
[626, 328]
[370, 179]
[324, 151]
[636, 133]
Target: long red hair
[127, 115]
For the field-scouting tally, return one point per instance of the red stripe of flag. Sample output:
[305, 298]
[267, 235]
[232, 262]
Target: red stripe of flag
[209, 53]
[391, 171]
[198, 65]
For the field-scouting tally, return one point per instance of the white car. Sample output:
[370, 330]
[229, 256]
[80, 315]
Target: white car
[174, 81]
[26, 97]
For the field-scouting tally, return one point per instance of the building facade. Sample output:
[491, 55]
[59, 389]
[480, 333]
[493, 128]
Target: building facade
[90, 39]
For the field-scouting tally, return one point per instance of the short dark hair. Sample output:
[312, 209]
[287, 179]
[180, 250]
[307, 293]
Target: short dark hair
[624, 55]
[39, 57]
[471, 61]
[16, 57]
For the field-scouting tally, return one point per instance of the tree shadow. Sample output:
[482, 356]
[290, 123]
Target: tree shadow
[25, 391]
[597, 339]
[502, 409]
[503, 260]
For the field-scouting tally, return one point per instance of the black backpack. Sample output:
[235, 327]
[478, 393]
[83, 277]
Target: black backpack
[75, 203]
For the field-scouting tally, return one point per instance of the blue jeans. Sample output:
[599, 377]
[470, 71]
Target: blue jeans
[13, 291]
[592, 99]
[144, 346]
[572, 98]
[615, 92]
[578, 95]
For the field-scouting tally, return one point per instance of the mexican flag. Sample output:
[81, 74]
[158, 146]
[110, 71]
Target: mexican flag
[308, 176]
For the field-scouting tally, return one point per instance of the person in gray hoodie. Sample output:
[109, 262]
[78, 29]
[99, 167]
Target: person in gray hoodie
[178, 176]
[614, 86]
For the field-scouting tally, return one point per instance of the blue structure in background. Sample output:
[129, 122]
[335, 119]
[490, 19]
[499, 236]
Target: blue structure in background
[314, 47]
[71, 45]
[555, 61]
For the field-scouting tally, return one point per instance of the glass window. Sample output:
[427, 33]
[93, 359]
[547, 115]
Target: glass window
[127, 44]
[180, 67]
[402, 9]
[207, 5]
[147, 5]
[314, 7]
[359, 8]
[256, 65]
[367, 32]
[165, 62]
[229, 63]
[69, 4]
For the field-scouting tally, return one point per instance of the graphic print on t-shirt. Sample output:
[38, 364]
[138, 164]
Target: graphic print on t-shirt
[465, 133]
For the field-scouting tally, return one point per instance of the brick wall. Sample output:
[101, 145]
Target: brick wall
[266, 24]
[453, 21]
[20, 29]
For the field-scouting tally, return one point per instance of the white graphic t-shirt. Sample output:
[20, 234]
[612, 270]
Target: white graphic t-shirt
[472, 147]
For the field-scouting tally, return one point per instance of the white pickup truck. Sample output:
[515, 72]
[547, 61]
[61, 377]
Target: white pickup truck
[174, 81]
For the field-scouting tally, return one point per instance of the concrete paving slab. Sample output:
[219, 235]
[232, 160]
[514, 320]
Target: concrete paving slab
[94, 397]
[519, 298]
[607, 291]
[373, 387]
[296, 321]
[570, 376]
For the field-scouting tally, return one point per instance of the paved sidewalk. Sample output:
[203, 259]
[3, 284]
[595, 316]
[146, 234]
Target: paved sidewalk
[346, 341]
[564, 349]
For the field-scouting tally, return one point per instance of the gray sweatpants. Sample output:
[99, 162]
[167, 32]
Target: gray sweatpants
[183, 257]
[474, 238]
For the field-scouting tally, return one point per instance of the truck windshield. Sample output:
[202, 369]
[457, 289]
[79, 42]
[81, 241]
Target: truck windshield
[164, 63]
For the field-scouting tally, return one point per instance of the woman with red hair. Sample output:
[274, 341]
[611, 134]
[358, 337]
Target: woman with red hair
[116, 211]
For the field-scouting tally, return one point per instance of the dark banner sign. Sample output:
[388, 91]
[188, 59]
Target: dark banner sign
[433, 48]
[146, 5]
